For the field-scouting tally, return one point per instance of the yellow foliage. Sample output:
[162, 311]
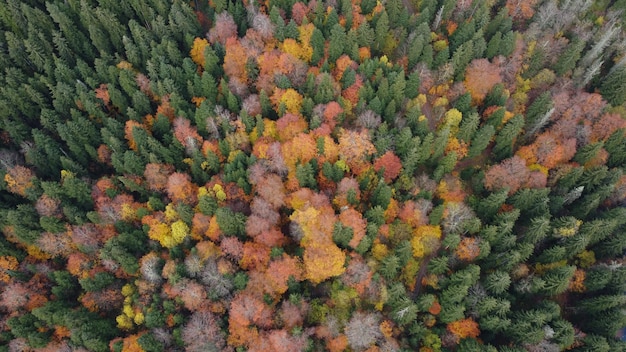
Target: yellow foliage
[379, 251]
[128, 311]
[425, 239]
[322, 261]
[292, 101]
[127, 290]
[37, 253]
[306, 31]
[290, 46]
[342, 165]
[219, 192]
[269, 129]
[66, 174]
[128, 212]
[441, 101]
[170, 213]
[124, 65]
[180, 231]
[568, 231]
[160, 233]
[409, 273]
[440, 45]
[139, 318]
[452, 119]
[586, 259]
[418, 247]
[124, 322]
[542, 268]
[197, 51]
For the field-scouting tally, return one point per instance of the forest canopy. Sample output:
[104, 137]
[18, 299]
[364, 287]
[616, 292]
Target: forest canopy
[282, 175]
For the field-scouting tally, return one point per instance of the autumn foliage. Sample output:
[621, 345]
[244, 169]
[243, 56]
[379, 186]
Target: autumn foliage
[312, 175]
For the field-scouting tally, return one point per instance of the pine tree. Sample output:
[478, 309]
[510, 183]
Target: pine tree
[613, 88]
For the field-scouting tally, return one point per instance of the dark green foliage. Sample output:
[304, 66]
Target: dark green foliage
[613, 88]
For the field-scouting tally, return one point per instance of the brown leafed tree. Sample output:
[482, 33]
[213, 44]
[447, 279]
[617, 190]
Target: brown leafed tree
[480, 76]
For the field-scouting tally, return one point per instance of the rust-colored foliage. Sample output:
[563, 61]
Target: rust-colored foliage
[279, 271]
[391, 165]
[353, 219]
[577, 284]
[156, 176]
[102, 93]
[247, 310]
[255, 256]
[290, 125]
[521, 9]
[187, 135]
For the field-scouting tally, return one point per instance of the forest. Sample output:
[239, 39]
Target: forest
[337, 175]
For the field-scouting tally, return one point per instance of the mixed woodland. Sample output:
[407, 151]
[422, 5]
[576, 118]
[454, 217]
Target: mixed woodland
[281, 175]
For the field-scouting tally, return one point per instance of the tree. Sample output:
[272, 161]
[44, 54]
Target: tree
[363, 330]
[480, 77]
[613, 88]
[225, 28]
[390, 164]
[180, 189]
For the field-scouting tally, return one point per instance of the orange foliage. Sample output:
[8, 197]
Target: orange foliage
[410, 215]
[197, 51]
[521, 9]
[435, 308]
[343, 62]
[468, 249]
[337, 344]
[480, 77]
[131, 344]
[290, 125]
[78, 265]
[103, 93]
[180, 188]
[7, 263]
[353, 219]
[464, 328]
[450, 189]
[104, 154]
[352, 93]
[577, 284]
[235, 59]
[331, 113]
[355, 148]
[256, 256]
[128, 133]
[19, 179]
[280, 270]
